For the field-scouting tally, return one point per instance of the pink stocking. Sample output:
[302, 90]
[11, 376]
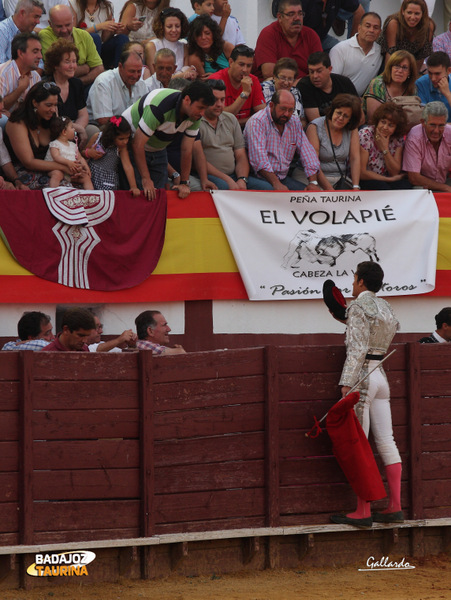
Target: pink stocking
[394, 486]
[362, 511]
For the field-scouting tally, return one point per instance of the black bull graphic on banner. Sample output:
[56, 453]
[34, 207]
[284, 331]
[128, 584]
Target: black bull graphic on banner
[309, 245]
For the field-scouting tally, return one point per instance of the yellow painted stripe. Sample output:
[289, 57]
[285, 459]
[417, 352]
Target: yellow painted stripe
[195, 246]
[200, 246]
[444, 244]
[191, 246]
[8, 266]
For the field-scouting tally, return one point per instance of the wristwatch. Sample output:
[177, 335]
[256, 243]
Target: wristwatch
[174, 175]
[244, 95]
[384, 152]
[185, 182]
[314, 182]
[245, 179]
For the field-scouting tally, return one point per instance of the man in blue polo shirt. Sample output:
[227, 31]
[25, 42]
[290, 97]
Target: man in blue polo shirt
[155, 119]
[436, 85]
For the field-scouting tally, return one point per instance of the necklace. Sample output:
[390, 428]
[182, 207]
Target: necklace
[91, 13]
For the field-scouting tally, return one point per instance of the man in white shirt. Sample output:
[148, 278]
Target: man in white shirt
[127, 339]
[359, 57]
[115, 90]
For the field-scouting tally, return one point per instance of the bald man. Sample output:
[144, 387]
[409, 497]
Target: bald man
[61, 26]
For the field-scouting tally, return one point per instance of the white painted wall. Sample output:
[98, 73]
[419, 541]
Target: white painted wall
[415, 313]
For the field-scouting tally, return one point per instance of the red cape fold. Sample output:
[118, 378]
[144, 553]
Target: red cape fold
[353, 451]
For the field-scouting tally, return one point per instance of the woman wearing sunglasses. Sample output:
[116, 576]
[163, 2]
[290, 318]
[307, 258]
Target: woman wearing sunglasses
[28, 135]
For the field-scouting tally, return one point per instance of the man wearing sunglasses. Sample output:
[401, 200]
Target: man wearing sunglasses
[286, 37]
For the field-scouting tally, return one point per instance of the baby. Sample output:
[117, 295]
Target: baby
[63, 150]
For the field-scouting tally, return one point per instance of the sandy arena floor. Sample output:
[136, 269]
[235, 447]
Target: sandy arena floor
[430, 580]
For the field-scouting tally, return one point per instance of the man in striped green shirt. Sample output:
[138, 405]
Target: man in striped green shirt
[155, 119]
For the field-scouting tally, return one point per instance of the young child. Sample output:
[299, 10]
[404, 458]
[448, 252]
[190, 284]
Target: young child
[202, 7]
[63, 150]
[105, 150]
[228, 24]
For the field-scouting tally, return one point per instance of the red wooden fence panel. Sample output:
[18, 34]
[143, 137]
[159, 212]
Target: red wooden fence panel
[120, 446]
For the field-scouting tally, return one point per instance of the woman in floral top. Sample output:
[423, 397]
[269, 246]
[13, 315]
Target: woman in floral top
[398, 79]
[381, 148]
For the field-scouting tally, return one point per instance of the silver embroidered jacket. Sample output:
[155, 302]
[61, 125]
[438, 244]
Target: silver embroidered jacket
[371, 326]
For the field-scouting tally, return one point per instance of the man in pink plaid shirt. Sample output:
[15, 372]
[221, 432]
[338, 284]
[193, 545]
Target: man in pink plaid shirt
[273, 135]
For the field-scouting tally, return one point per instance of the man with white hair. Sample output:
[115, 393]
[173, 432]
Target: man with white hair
[427, 159]
[165, 67]
[10, 7]
[26, 16]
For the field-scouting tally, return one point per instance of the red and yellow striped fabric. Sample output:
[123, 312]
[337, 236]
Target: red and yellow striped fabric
[196, 263]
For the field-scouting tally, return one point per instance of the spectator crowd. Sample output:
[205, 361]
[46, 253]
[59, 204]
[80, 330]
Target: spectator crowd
[160, 99]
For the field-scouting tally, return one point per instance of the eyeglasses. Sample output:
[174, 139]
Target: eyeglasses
[292, 14]
[284, 79]
[51, 87]
[401, 67]
[341, 114]
[99, 326]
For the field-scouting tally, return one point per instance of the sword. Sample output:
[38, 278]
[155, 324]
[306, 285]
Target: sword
[317, 425]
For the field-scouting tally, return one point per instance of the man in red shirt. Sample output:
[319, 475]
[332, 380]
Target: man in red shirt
[286, 37]
[76, 327]
[244, 95]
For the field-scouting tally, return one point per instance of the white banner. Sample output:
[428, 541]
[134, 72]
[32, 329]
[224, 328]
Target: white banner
[286, 244]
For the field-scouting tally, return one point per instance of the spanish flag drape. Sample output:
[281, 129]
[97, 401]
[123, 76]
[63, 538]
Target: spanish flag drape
[196, 262]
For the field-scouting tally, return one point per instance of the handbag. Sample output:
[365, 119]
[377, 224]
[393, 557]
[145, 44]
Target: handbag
[343, 183]
[412, 107]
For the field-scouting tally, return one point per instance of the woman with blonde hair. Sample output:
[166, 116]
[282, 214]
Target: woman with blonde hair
[398, 79]
[409, 29]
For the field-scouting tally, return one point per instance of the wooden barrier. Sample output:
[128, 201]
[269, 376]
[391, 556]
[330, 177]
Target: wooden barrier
[96, 447]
